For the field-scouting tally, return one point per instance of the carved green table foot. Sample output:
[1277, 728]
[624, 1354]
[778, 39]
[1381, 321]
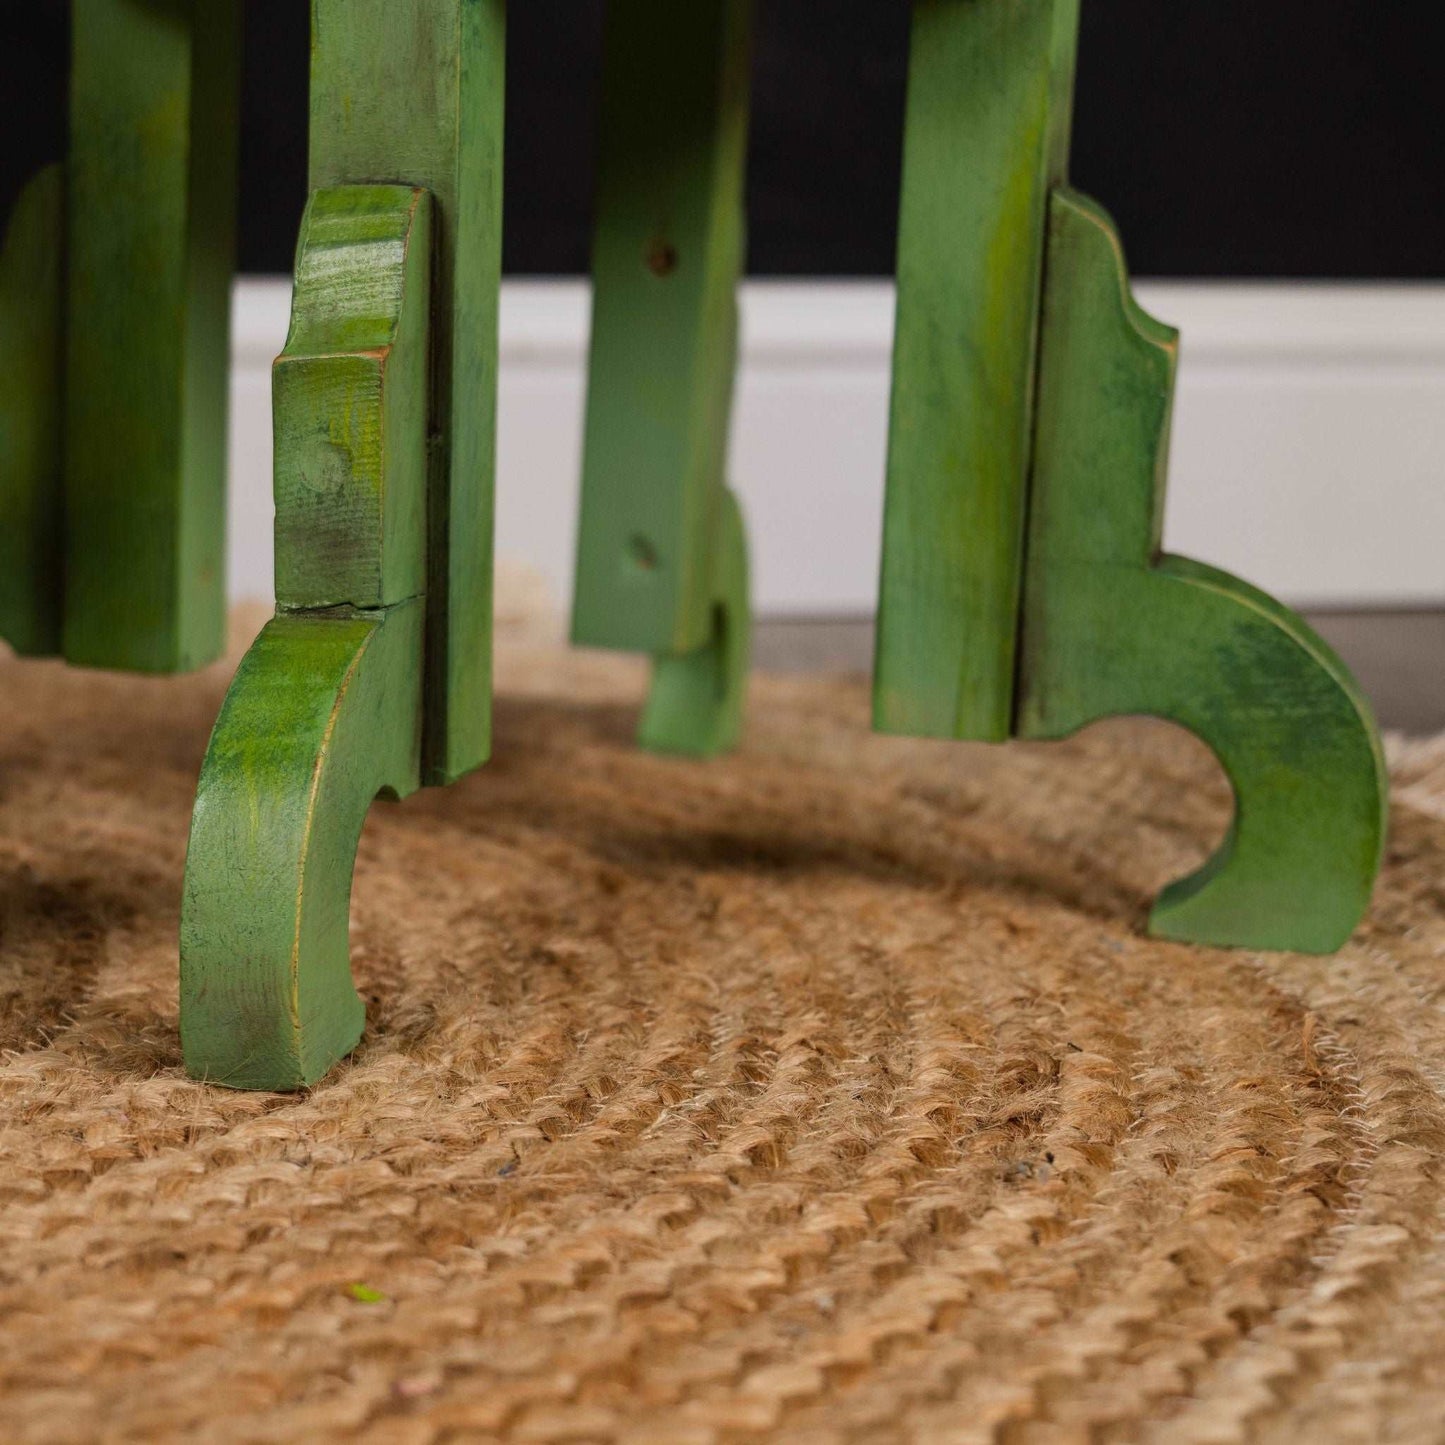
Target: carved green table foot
[662, 553]
[322, 717]
[1111, 627]
[115, 284]
[1024, 594]
[695, 704]
[326, 709]
[375, 675]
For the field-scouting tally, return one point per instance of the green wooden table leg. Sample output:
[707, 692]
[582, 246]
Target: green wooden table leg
[986, 137]
[1023, 593]
[31, 420]
[1111, 627]
[415, 93]
[661, 561]
[326, 710]
[375, 675]
[152, 197]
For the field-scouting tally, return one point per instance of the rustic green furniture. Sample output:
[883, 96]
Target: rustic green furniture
[1023, 591]
[375, 674]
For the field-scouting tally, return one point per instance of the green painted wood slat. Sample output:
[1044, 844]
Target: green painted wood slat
[667, 254]
[661, 554]
[414, 96]
[151, 221]
[986, 138]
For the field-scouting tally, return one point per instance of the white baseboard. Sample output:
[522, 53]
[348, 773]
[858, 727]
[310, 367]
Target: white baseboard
[1309, 440]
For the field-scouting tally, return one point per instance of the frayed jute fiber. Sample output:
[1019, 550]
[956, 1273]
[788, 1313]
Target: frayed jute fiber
[828, 1092]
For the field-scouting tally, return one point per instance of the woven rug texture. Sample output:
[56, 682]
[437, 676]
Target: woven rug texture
[828, 1092]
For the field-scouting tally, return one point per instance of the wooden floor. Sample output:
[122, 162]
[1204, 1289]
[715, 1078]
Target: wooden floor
[1399, 657]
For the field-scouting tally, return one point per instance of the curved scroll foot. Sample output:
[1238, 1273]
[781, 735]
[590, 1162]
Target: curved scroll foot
[1279, 711]
[323, 715]
[1310, 783]
[695, 705]
[1111, 628]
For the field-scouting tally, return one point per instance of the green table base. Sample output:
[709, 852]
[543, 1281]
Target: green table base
[376, 673]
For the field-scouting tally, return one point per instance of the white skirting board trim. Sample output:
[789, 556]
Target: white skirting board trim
[1308, 449]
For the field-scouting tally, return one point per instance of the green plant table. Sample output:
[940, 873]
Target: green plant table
[1023, 591]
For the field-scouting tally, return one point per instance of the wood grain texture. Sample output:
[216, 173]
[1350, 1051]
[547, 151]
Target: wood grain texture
[326, 709]
[351, 480]
[32, 324]
[152, 197]
[323, 715]
[1022, 592]
[987, 130]
[1110, 627]
[413, 95]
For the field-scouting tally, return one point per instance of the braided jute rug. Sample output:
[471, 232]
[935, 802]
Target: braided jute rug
[826, 1093]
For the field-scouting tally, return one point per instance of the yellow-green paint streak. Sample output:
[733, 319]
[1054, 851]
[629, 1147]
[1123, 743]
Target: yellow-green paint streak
[985, 129]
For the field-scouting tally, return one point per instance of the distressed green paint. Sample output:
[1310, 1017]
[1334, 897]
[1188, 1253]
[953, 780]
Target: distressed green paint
[986, 137]
[413, 95]
[326, 710]
[152, 183]
[1111, 627]
[350, 480]
[658, 535]
[695, 706]
[32, 325]
[324, 714]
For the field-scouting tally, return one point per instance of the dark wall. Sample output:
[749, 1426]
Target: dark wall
[1229, 137]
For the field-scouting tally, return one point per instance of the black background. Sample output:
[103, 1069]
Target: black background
[1283, 138]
